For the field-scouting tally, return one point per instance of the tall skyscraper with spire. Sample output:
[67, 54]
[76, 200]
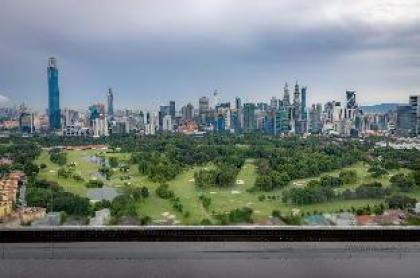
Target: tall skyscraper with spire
[296, 102]
[54, 113]
[110, 99]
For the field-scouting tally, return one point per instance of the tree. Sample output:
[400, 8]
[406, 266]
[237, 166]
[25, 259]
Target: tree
[162, 191]
[113, 162]
[402, 182]
[348, 176]
[401, 202]
[416, 177]
[95, 184]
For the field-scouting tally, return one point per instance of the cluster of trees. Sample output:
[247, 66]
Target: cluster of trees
[126, 203]
[240, 215]
[223, 175]
[309, 195]
[57, 156]
[271, 180]
[21, 154]
[94, 184]
[401, 202]
[205, 201]
[163, 191]
[294, 158]
[42, 193]
[157, 166]
[373, 190]
[402, 182]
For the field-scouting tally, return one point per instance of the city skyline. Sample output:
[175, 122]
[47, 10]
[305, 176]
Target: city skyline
[149, 55]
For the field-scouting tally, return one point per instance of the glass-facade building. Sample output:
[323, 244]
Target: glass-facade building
[54, 113]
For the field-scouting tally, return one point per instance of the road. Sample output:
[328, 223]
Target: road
[210, 259]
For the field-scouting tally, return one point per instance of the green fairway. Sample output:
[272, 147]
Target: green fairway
[222, 199]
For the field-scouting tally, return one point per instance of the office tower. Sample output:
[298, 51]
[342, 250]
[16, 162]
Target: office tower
[203, 105]
[163, 111]
[187, 112]
[405, 120]
[415, 107]
[54, 113]
[273, 103]
[238, 104]
[303, 114]
[167, 123]
[286, 97]
[296, 102]
[249, 117]
[172, 109]
[315, 123]
[281, 121]
[239, 117]
[351, 100]
[110, 99]
[262, 106]
[270, 122]
[220, 124]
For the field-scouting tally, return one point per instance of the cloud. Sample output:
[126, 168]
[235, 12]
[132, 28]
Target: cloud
[184, 49]
[3, 98]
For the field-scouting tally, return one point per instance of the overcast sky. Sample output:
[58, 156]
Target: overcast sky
[152, 51]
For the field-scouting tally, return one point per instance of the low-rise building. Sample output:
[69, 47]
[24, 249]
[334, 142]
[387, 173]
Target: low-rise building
[101, 218]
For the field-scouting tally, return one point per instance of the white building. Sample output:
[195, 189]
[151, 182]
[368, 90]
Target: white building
[167, 123]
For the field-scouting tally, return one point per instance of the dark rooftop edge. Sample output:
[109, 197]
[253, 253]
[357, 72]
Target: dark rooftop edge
[211, 233]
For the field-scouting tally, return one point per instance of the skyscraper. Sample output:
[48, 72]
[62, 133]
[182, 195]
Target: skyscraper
[303, 113]
[172, 109]
[54, 113]
[203, 105]
[249, 117]
[238, 104]
[110, 103]
[187, 112]
[414, 102]
[351, 100]
[296, 102]
[286, 96]
[405, 120]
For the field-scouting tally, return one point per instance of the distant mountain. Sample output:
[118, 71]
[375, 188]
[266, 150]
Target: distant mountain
[380, 108]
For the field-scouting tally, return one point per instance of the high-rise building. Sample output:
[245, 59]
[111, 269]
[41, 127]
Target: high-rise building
[172, 109]
[405, 120]
[238, 104]
[315, 123]
[110, 101]
[286, 96]
[167, 123]
[54, 113]
[296, 102]
[273, 103]
[282, 121]
[414, 102]
[203, 105]
[351, 100]
[164, 110]
[187, 112]
[303, 114]
[249, 117]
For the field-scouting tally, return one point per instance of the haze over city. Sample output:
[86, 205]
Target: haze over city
[152, 51]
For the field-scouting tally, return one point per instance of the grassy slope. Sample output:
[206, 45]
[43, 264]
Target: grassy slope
[223, 199]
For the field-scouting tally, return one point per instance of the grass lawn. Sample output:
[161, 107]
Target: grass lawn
[222, 199]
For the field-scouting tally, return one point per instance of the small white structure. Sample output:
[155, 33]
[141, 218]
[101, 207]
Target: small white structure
[417, 208]
[341, 219]
[101, 218]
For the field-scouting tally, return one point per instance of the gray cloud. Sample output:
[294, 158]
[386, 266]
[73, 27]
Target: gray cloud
[153, 51]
